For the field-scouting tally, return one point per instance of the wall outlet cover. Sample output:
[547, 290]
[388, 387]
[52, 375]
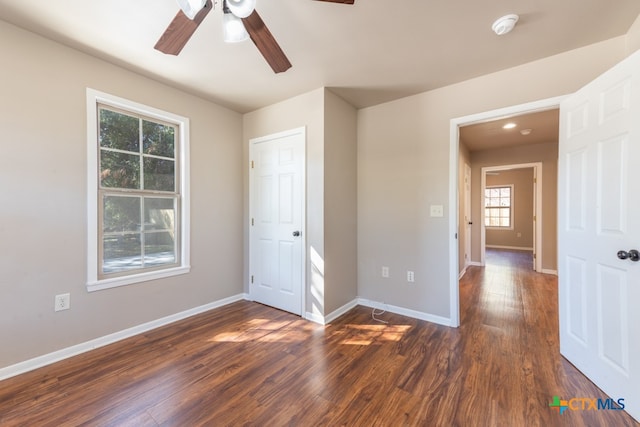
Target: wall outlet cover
[437, 210]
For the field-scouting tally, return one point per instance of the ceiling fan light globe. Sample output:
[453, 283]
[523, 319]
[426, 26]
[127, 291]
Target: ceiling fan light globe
[233, 29]
[191, 7]
[241, 8]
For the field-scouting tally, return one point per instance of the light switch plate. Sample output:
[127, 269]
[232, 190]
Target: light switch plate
[437, 210]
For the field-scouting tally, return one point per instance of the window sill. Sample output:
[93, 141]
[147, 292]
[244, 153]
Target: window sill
[99, 285]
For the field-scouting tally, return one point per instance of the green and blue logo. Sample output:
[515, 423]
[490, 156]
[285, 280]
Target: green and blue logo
[585, 404]
[559, 404]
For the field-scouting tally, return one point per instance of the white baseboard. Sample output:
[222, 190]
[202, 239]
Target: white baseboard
[547, 271]
[405, 312]
[462, 273]
[317, 318]
[476, 263]
[323, 320]
[342, 310]
[65, 353]
[513, 248]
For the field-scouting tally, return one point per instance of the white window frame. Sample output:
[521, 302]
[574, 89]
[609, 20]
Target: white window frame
[94, 282]
[511, 199]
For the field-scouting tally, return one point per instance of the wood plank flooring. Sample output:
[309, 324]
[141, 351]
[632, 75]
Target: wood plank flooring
[247, 364]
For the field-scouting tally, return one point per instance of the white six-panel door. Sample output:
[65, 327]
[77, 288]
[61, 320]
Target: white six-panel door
[599, 215]
[277, 220]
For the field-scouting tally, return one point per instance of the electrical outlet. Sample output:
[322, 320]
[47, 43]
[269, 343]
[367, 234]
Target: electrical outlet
[437, 210]
[411, 276]
[62, 302]
[385, 272]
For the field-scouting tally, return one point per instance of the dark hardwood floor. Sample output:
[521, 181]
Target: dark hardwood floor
[247, 364]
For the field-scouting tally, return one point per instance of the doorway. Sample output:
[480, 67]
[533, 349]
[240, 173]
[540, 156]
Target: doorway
[530, 230]
[454, 155]
[277, 254]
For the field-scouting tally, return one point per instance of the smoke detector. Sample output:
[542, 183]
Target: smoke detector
[505, 24]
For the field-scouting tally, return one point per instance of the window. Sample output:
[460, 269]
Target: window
[497, 207]
[137, 192]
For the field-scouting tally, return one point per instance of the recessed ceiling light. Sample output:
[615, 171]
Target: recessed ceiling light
[509, 126]
[525, 132]
[505, 24]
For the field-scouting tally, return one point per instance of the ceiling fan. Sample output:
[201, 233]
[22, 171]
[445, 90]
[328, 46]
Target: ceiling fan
[240, 21]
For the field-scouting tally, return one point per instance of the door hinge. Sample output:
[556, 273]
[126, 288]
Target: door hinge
[251, 221]
[534, 256]
[252, 165]
[535, 180]
[251, 278]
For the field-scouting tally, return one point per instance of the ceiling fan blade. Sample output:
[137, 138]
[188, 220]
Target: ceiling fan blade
[180, 30]
[266, 43]
[339, 1]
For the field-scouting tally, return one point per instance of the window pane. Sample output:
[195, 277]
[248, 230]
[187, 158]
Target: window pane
[159, 214]
[504, 213]
[505, 192]
[495, 192]
[158, 139]
[504, 202]
[122, 253]
[119, 131]
[504, 222]
[159, 248]
[494, 202]
[159, 174]
[121, 214]
[119, 170]
[494, 222]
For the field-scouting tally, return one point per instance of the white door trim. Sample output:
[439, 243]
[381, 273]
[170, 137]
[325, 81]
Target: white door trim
[252, 142]
[454, 146]
[537, 171]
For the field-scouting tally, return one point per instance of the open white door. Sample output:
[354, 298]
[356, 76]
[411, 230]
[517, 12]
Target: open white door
[599, 215]
[277, 245]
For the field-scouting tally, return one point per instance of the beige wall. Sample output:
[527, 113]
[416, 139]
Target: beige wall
[43, 200]
[633, 37]
[331, 191]
[547, 154]
[403, 168]
[340, 203]
[521, 234]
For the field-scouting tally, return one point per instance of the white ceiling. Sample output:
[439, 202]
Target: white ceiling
[368, 53]
[543, 127]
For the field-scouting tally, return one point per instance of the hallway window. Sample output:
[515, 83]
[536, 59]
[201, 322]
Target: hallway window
[497, 207]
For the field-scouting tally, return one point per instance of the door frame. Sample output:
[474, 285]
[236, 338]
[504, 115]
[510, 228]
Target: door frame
[454, 153]
[537, 203]
[302, 132]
